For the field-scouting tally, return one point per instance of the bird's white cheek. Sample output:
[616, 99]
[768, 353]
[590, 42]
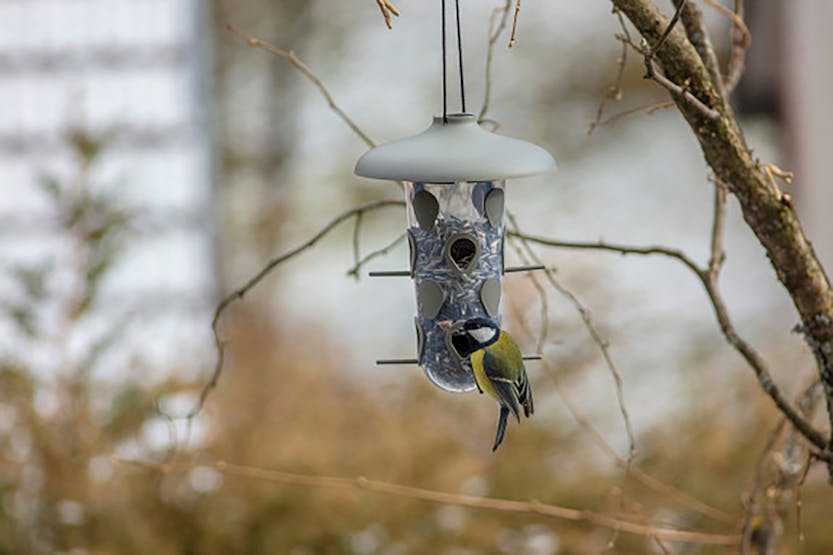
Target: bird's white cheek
[483, 335]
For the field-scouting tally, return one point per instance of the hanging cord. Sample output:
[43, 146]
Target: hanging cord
[460, 57]
[445, 87]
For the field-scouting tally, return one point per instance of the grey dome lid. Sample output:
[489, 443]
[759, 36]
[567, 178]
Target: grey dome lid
[459, 150]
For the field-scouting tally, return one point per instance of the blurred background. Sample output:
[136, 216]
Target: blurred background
[150, 162]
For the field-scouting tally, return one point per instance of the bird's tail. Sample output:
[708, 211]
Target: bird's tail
[501, 426]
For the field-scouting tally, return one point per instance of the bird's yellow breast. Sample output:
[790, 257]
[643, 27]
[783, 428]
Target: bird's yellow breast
[480, 374]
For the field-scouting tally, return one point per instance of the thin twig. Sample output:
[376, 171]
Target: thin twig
[387, 9]
[545, 315]
[772, 171]
[515, 23]
[355, 270]
[676, 90]
[767, 500]
[741, 39]
[357, 227]
[445, 498]
[798, 496]
[610, 247]
[543, 304]
[654, 73]
[717, 256]
[698, 34]
[632, 470]
[736, 17]
[494, 35]
[751, 356]
[290, 56]
[591, 328]
[661, 546]
[671, 24]
[753, 506]
[647, 108]
[240, 292]
[614, 91]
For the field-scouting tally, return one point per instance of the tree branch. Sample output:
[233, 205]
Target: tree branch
[752, 357]
[614, 92]
[240, 292]
[632, 470]
[491, 503]
[290, 57]
[494, 34]
[698, 34]
[653, 72]
[771, 218]
[360, 263]
[587, 319]
[740, 37]
[387, 9]
[515, 23]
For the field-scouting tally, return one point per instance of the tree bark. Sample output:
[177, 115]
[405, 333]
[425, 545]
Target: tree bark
[769, 214]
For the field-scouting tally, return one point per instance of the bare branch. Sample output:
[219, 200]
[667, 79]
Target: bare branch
[670, 27]
[543, 306]
[752, 357]
[676, 90]
[240, 292]
[649, 109]
[770, 216]
[698, 34]
[798, 497]
[435, 496]
[778, 479]
[290, 56]
[772, 171]
[357, 227]
[614, 92]
[494, 35]
[591, 328]
[515, 23]
[718, 256]
[741, 39]
[387, 9]
[610, 247]
[630, 469]
[355, 270]
[653, 72]
[661, 546]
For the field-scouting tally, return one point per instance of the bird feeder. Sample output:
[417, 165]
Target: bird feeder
[454, 175]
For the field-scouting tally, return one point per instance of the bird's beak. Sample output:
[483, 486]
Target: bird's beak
[445, 325]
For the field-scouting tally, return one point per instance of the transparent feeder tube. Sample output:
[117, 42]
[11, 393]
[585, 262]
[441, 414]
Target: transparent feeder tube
[456, 235]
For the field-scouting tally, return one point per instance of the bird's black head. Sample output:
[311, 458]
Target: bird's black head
[473, 335]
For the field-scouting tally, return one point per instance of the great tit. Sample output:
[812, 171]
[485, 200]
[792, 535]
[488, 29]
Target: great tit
[498, 368]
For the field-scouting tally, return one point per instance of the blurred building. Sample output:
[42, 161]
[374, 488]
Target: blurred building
[111, 97]
[807, 78]
[787, 77]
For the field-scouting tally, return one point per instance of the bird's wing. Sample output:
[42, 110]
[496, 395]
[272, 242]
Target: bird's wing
[525, 394]
[506, 388]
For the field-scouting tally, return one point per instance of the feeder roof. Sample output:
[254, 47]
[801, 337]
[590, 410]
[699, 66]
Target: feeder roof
[458, 150]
